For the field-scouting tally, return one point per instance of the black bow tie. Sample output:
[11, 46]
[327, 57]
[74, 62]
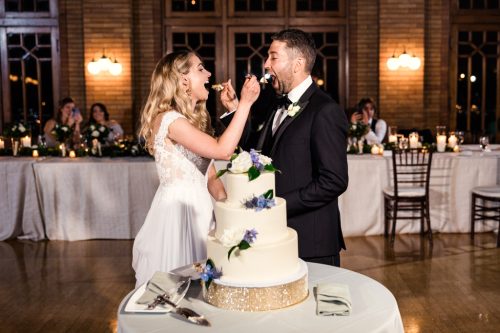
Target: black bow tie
[283, 102]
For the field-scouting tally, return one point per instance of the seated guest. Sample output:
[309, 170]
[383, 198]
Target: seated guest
[99, 115]
[68, 115]
[365, 113]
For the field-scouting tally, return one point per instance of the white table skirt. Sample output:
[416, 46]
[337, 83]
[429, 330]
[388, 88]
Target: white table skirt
[374, 309]
[452, 178]
[19, 211]
[92, 198]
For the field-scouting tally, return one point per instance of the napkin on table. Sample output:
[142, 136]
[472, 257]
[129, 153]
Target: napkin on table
[159, 284]
[333, 299]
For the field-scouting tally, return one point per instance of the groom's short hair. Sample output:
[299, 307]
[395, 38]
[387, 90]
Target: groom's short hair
[299, 41]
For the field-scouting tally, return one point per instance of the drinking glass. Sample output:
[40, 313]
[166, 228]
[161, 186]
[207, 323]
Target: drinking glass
[460, 136]
[484, 141]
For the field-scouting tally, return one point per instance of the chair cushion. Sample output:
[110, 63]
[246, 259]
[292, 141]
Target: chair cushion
[487, 191]
[406, 191]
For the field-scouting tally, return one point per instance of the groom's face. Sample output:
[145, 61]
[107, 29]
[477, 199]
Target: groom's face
[280, 64]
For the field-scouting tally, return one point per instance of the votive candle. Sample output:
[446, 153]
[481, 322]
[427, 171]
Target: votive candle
[393, 138]
[72, 154]
[441, 143]
[375, 150]
[26, 141]
[35, 153]
[2, 144]
[452, 141]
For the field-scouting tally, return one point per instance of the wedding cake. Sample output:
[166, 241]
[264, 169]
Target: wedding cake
[253, 256]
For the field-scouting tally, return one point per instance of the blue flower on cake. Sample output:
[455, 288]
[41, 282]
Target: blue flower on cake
[209, 273]
[251, 162]
[265, 200]
[230, 237]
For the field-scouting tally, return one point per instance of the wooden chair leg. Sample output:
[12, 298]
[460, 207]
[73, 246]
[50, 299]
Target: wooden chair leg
[394, 218]
[428, 218]
[422, 215]
[386, 220]
[472, 215]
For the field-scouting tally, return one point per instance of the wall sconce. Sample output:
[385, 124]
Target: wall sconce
[104, 64]
[404, 60]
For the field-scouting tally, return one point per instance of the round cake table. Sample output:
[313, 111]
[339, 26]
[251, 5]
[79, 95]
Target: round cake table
[374, 309]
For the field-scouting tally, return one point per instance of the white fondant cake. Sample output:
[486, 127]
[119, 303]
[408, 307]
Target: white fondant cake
[272, 259]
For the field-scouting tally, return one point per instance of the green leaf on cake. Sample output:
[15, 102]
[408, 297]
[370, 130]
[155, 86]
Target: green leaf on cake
[231, 251]
[243, 245]
[253, 173]
[269, 194]
[221, 172]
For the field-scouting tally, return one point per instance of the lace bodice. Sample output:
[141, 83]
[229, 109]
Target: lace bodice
[176, 164]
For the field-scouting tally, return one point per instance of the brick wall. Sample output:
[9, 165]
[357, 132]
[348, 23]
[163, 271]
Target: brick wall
[401, 92]
[363, 50]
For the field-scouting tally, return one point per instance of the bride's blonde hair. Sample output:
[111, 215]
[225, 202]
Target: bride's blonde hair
[167, 93]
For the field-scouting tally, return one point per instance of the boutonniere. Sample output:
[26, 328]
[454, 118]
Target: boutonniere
[293, 109]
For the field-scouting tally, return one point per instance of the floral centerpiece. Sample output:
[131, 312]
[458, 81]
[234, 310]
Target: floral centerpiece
[97, 131]
[252, 163]
[358, 129]
[62, 132]
[17, 131]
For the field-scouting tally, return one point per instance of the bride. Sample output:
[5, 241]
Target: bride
[176, 126]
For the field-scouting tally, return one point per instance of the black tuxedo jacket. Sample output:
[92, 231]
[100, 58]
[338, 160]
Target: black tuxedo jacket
[310, 151]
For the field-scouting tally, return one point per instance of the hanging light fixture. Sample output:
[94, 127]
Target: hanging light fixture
[404, 60]
[104, 64]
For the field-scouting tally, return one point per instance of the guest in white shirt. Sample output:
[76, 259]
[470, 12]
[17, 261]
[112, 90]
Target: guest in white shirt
[366, 113]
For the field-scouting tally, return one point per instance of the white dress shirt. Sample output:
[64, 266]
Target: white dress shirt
[379, 134]
[294, 96]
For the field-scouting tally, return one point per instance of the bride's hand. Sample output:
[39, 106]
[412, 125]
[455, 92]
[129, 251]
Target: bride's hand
[250, 91]
[228, 96]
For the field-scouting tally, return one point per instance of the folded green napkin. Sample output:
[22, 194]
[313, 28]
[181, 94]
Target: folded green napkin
[333, 299]
[161, 283]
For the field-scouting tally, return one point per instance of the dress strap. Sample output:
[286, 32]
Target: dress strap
[168, 118]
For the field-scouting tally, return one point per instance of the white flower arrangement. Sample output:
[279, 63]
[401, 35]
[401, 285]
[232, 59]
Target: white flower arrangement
[231, 237]
[252, 163]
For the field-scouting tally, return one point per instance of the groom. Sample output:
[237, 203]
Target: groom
[307, 143]
[305, 135]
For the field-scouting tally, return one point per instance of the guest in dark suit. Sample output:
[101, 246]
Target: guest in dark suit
[307, 142]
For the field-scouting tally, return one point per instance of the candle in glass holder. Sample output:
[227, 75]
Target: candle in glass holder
[375, 150]
[26, 141]
[441, 143]
[2, 144]
[72, 154]
[452, 141]
[35, 153]
[393, 138]
[413, 140]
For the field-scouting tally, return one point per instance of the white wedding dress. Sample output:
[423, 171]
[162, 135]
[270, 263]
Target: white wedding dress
[175, 230]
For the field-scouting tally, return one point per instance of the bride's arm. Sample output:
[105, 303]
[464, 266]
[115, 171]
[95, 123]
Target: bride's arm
[185, 134]
[215, 186]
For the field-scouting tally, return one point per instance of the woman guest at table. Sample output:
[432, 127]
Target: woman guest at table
[68, 115]
[99, 115]
[176, 127]
[366, 113]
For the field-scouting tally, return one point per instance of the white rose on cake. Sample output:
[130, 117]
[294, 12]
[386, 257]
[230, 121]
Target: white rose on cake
[264, 160]
[231, 237]
[242, 163]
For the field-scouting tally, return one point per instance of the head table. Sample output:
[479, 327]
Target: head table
[91, 198]
[374, 309]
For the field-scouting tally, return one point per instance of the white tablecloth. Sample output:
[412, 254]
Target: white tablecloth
[452, 178]
[19, 211]
[374, 309]
[91, 198]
